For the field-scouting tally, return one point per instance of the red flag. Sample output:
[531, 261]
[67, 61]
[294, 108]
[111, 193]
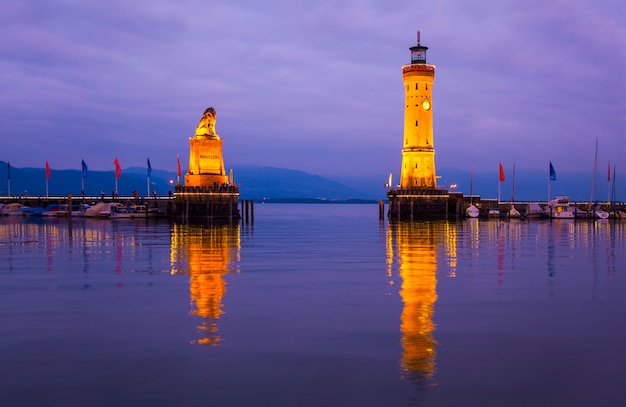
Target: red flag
[47, 170]
[502, 177]
[118, 169]
[178, 157]
[609, 171]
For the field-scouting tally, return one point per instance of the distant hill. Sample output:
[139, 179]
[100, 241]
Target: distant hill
[284, 185]
[532, 185]
[270, 182]
[254, 183]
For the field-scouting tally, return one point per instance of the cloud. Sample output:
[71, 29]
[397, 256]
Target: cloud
[314, 86]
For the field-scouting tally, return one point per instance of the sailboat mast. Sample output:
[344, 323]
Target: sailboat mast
[608, 187]
[472, 184]
[593, 179]
[613, 197]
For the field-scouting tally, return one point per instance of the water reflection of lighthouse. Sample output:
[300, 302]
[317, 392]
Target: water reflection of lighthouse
[413, 247]
[206, 253]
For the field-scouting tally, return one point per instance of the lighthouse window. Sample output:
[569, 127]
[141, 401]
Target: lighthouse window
[426, 86]
[407, 87]
[416, 86]
[416, 123]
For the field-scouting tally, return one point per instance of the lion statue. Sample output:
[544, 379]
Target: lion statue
[206, 126]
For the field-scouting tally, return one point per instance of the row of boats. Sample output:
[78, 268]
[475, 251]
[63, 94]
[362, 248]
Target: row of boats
[557, 208]
[106, 210]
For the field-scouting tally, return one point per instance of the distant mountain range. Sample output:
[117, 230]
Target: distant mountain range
[281, 184]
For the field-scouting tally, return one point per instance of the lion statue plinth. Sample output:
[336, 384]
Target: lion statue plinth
[206, 126]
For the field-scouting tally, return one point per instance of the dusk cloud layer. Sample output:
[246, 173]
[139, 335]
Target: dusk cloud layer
[314, 86]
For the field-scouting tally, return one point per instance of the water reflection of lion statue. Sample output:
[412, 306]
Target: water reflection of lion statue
[206, 126]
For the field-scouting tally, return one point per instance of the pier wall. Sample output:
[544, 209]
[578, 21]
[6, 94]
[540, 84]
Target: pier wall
[418, 204]
[219, 202]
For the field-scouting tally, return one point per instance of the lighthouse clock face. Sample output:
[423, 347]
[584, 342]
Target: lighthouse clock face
[426, 105]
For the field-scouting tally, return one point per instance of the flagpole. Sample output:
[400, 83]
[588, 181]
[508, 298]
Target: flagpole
[46, 187]
[499, 182]
[9, 179]
[148, 187]
[549, 180]
[501, 179]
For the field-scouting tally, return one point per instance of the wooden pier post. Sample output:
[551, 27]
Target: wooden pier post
[246, 210]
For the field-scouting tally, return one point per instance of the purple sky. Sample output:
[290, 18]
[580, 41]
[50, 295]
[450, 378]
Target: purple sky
[311, 85]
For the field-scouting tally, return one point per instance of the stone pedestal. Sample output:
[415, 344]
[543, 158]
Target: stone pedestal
[206, 163]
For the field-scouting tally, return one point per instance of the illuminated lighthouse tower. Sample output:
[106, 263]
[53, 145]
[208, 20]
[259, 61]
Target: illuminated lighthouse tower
[418, 153]
[418, 196]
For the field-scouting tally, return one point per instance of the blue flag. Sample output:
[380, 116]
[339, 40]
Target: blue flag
[84, 168]
[552, 173]
[8, 170]
[149, 168]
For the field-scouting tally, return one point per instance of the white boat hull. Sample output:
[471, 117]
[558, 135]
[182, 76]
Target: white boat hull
[472, 211]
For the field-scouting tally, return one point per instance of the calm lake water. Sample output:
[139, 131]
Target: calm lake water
[312, 305]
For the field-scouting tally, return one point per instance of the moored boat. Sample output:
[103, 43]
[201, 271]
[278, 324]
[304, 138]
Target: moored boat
[126, 211]
[472, 211]
[514, 213]
[619, 214]
[559, 208]
[108, 209]
[50, 210]
[28, 211]
[146, 212]
[600, 214]
[79, 210]
[534, 210]
[12, 209]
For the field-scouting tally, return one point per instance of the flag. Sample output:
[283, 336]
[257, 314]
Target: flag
[552, 173]
[178, 157]
[502, 177]
[47, 170]
[149, 168]
[118, 169]
[84, 168]
[8, 170]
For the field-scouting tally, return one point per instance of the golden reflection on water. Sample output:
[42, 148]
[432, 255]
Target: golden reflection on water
[415, 248]
[206, 253]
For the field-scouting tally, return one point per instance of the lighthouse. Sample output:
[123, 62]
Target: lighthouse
[418, 152]
[418, 197]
